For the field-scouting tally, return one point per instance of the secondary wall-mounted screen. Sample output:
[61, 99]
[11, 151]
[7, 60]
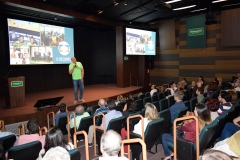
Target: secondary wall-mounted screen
[32, 43]
[140, 42]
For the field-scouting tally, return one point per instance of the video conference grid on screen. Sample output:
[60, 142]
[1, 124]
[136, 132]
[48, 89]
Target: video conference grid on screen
[36, 43]
[140, 42]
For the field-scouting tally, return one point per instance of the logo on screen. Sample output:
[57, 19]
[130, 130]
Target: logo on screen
[150, 45]
[64, 48]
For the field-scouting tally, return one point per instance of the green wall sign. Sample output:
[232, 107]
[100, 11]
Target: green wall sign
[16, 83]
[196, 32]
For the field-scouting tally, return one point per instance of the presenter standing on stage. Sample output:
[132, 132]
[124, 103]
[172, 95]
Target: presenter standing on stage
[77, 72]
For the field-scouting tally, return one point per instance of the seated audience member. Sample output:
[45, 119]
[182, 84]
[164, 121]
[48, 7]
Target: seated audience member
[199, 93]
[219, 81]
[54, 138]
[236, 80]
[212, 87]
[224, 99]
[153, 90]
[119, 99]
[62, 112]
[211, 154]
[194, 88]
[129, 108]
[173, 88]
[4, 134]
[151, 113]
[111, 143]
[79, 113]
[32, 135]
[184, 81]
[178, 96]
[200, 82]
[189, 128]
[230, 128]
[56, 153]
[230, 146]
[103, 107]
[111, 114]
[234, 97]
[237, 88]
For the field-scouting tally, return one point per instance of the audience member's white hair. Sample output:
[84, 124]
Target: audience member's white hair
[57, 153]
[111, 143]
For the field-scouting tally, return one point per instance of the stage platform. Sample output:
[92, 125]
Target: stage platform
[92, 94]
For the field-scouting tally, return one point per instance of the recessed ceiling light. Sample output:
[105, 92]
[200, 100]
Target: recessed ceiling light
[198, 10]
[184, 7]
[231, 5]
[100, 11]
[173, 1]
[218, 1]
[115, 3]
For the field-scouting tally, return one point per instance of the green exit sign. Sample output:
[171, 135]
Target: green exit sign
[16, 83]
[125, 58]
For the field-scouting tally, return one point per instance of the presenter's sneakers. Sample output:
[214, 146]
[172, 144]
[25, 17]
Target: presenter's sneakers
[81, 100]
[75, 102]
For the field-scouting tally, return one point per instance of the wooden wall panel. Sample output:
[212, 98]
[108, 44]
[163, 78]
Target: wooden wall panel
[210, 62]
[230, 24]
[167, 35]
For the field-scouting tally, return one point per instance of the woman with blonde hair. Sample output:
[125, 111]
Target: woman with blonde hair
[151, 113]
[189, 128]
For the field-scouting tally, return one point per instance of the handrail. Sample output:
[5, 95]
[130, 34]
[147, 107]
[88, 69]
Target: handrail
[128, 129]
[98, 127]
[3, 129]
[135, 140]
[175, 136]
[131, 79]
[85, 139]
[42, 129]
[21, 129]
[68, 124]
[48, 119]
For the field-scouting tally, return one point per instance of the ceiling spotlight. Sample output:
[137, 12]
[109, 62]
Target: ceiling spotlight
[216, 1]
[100, 11]
[125, 3]
[173, 1]
[184, 7]
[115, 3]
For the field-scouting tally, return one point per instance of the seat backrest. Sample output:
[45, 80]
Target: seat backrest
[154, 97]
[238, 94]
[166, 93]
[22, 151]
[146, 100]
[74, 154]
[153, 131]
[188, 94]
[8, 141]
[139, 104]
[141, 96]
[171, 101]
[216, 94]
[122, 103]
[119, 108]
[143, 112]
[156, 104]
[147, 94]
[161, 96]
[93, 109]
[62, 122]
[116, 124]
[205, 99]
[167, 120]
[193, 103]
[163, 104]
[206, 135]
[187, 104]
[182, 112]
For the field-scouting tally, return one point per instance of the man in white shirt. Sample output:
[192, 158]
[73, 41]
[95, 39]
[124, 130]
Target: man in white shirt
[111, 143]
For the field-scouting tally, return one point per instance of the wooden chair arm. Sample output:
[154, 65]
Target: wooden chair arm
[48, 119]
[3, 129]
[85, 140]
[128, 129]
[68, 124]
[42, 129]
[21, 129]
[98, 127]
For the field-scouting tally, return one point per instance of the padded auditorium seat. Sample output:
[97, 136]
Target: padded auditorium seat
[139, 104]
[163, 104]
[92, 109]
[155, 97]
[146, 100]
[28, 151]
[161, 96]
[151, 135]
[171, 101]
[8, 141]
[193, 103]
[75, 154]
[147, 94]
